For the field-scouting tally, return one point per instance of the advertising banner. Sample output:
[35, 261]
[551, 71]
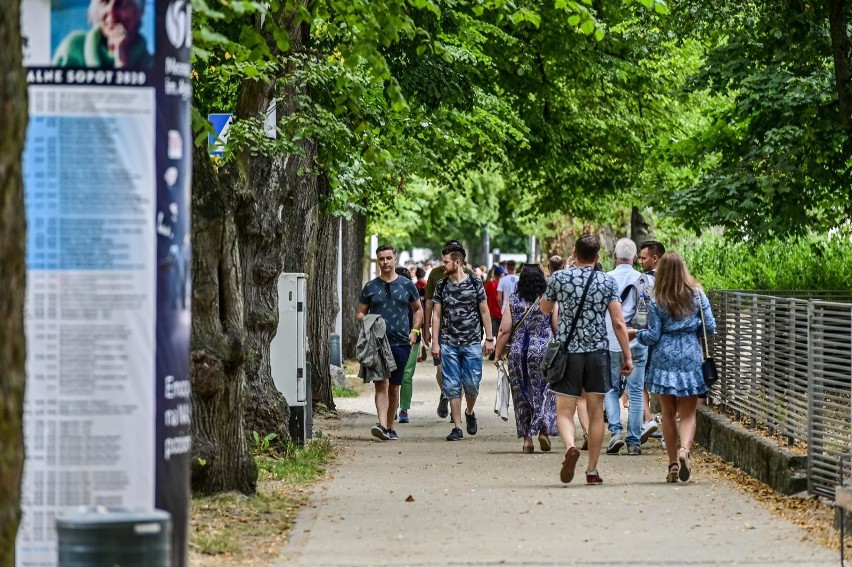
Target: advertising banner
[106, 179]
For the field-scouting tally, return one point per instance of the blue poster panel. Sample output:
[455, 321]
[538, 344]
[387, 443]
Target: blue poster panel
[107, 168]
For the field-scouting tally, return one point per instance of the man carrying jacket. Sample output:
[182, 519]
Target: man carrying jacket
[390, 296]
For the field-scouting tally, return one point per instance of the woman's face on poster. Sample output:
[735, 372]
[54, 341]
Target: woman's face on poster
[118, 19]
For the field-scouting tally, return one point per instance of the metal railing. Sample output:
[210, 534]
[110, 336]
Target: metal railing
[785, 363]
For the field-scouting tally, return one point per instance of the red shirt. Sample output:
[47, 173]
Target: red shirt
[491, 296]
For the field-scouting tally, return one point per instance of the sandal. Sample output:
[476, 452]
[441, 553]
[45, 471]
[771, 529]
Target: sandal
[529, 449]
[673, 472]
[685, 464]
[543, 441]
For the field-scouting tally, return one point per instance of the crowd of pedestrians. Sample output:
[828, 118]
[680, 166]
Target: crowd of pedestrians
[625, 334]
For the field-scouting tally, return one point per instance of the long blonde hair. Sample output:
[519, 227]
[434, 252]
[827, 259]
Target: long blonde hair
[674, 287]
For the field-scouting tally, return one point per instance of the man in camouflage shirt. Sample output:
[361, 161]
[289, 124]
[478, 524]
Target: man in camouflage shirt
[460, 312]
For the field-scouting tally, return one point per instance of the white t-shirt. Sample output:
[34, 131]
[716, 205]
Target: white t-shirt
[507, 286]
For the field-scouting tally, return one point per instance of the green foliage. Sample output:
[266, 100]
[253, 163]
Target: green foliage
[344, 392]
[262, 445]
[811, 261]
[771, 155]
[298, 464]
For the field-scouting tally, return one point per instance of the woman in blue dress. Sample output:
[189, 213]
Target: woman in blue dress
[674, 368]
[534, 403]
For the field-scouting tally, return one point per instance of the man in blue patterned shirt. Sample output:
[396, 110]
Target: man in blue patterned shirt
[588, 350]
[390, 296]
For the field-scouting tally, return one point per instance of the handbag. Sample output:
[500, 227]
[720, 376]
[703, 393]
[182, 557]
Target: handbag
[708, 367]
[501, 400]
[555, 359]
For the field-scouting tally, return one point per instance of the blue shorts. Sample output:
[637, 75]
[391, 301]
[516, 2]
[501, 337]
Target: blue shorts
[461, 368]
[400, 356]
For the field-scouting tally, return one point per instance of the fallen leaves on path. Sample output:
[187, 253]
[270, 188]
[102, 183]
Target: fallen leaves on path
[814, 516]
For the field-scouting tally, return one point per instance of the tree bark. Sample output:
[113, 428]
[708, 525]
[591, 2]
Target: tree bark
[322, 303]
[837, 22]
[639, 229]
[354, 233]
[13, 127]
[221, 460]
[276, 223]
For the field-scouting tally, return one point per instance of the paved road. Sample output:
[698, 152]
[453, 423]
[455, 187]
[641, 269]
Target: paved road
[481, 501]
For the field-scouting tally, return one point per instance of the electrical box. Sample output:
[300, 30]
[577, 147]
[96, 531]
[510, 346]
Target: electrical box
[288, 350]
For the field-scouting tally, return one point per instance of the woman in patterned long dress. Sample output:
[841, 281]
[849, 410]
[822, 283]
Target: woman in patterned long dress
[674, 369]
[535, 405]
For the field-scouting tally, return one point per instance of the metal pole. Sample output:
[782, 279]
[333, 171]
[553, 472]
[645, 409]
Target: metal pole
[486, 249]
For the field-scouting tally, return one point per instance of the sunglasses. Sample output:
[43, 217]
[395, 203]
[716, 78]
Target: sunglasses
[387, 289]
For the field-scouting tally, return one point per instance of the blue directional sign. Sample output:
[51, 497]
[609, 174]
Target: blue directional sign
[221, 124]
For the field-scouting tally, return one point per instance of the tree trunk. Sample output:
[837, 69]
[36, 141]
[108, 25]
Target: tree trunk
[13, 127]
[221, 460]
[354, 233]
[322, 303]
[639, 229]
[276, 222]
[837, 22]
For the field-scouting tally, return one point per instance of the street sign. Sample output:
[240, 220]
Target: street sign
[221, 124]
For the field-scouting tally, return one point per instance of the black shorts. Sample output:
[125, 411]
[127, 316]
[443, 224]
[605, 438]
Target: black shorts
[587, 371]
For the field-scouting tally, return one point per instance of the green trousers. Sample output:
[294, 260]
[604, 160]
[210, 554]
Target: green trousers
[407, 388]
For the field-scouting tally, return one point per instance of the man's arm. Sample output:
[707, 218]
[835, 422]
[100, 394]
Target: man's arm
[490, 342]
[427, 319]
[363, 308]
[416, 321]
[500, 298]
[436, 330]
[620, 328]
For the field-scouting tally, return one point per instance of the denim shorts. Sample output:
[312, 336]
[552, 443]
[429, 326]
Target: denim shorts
[587, 371]
[400, 356]
[461, 368]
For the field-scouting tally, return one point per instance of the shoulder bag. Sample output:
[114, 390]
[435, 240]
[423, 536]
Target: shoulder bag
[518, 324]
[708, 367]
[555, 359]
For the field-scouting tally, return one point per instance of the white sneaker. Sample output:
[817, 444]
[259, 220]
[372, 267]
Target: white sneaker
[615, 444]
[649, 428]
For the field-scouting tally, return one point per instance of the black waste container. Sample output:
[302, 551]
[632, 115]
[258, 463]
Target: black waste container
[115, 537]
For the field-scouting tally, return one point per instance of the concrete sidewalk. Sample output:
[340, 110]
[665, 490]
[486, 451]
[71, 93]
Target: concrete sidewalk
[480, 501]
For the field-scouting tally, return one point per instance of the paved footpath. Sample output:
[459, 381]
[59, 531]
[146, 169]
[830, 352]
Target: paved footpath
[480, 501]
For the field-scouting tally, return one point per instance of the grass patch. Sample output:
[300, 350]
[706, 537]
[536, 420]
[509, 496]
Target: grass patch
[344, 392]
[234, 526]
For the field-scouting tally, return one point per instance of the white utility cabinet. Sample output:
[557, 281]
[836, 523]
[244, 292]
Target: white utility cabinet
[288, 349]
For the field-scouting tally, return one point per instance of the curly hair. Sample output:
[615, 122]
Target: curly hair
[531, 283]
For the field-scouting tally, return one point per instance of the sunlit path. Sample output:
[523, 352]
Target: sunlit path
[481, 501]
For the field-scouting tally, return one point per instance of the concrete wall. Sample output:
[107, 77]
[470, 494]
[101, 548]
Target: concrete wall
[754, 454]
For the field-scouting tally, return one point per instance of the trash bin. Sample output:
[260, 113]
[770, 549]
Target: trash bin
[114, 537]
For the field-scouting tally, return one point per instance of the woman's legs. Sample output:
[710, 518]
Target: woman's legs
[686, 408]
[668, 405]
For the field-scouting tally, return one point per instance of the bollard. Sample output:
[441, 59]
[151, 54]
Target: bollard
[334, 355]
[114, 537]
